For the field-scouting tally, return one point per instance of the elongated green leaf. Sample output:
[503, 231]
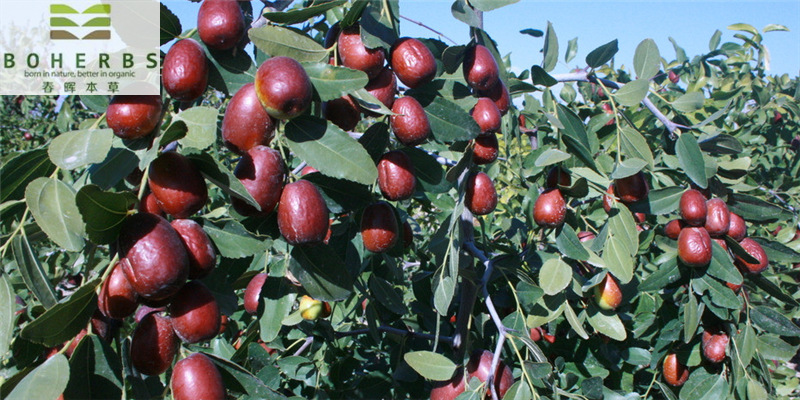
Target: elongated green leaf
[572, 50]
[7, 301]
[550, 49]
[341, 195]
[575, 136]
[569, 244]
[489, 5]
[46, 381]
[722, 267]
[177, 130]
[430, 174]
[660, 201]
[444, 289]
[602, 54]
[387, 295]
[628, 167]
[52, 203]
[330, 150]
[772, 289]
[551, 156]
[704, 386]
[278, 296]
[691, 159]
[532, 32]
[554, 276]
[278, 41]
[118, 164]
[65, 319]
[240, 379]
[775, 27]
[647, 59]
[170, 25]
[773, 321]
[774, 348]
[721, 144]
[375, 140]
[540, 77]
[618, 259]
[33, 274]
[430, 365]
[233, 241]
[322, 272]
[449, 122]
[229, 70]
[219, 175]
[743, 28]
[103, 212]
[18, 172]
[691, 318]
[333, 82]
[632, 93]
[609, 325]
[201, 124]
[667, 273]
[689, 102]
[95, 371]
[574, 322]
[754, 209]
[302, 14]
[622, 224]
[369, 103]
[75, 149]
[635, 145]
[380, 24]
[463, 12]
[713, 43]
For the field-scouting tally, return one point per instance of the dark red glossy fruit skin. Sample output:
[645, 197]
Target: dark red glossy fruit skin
[133, 117]
[220, 24]
[202, 256]
[608, 294]
[343, 112]
[117, 299]
[585, 236]
[355, 55]
[379, 230]
[396, 176]
[485, 149]
[737, 228]
[195, 313]
[718, 218]
[694, 246]
[557, 176]
[196, 377]
[486, 115]
[262, 173]
[410, 126]
[412, 62]
[675, 373]
[608, 198]
[383, 87]
[721, 242]
[714, 345]
[178, 185]
[480, 68]
[550, 209]
[480, 196]
[499, 95]
[246, 123]
[693, 208]
[479, 365]
[283, 87]
[149, 204]
[154, 345]
[185, 70]
[673, 228]
[639, 218]
[253, 292]
[308, 170]
[103, 326]
[152, 256]
[632, 188]
[408, 235]
[733, 286]
[673, 77]
[302, 214]
[754, 249]
[449, 390]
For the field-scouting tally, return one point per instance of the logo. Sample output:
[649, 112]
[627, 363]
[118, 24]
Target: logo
[65, 22]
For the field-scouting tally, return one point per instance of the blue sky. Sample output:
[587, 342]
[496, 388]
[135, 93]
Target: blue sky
[690, 23]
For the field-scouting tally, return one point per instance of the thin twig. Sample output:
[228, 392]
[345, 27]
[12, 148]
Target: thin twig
[395, 331]
[429, 28]
[309, 341]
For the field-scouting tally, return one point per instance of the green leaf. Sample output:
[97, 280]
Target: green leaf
[743, 28]
[369, 103]
[713, 43]
[52, 203]
[532, 32]
[429, 173]
[772, 289]
[660, 201]
[774, 348]
[302, 14]
[575, 137]
[7, 302]
[278, 296]
[635, 145]
[621, 224]
[387, 295]
[47, 381]
[667, 273]
[234, 241]
[550, 49]
[609, 325]
[551, 156]
[75, 149]
[633, 92]
[691, 318]
[177, 130]
[704, 386]
[103, 212]
[219, 175]
[64, 320]
[721, 144]
[444, 289]
[754, 209]
[602, 54]
[229, 69]
[330, 150]
[489, 5]
[341, 195]
[449, 122]
[237, 378]
[540, 77]
[430, 365]
[332, 82]
[572, 50]
[554, 276]
[354, 13]
[34, 276]
[721, 295]
[647, 59]
[773, 321]
[278, 41]
[118, 164]
[689, 102]
[375, 140]
[618, 259]
[569, 244]
[691, 159]
[321, 272]
[170, 25]
[380, 24]
[463, 12]
[722, 267]
[201, 124]
[18, 172]
[775, 27]
[95, 371]
[628, 167]
[574, 322]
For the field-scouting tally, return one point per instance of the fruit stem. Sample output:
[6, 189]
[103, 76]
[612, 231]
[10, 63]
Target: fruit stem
[143, 183]
[107, 272]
